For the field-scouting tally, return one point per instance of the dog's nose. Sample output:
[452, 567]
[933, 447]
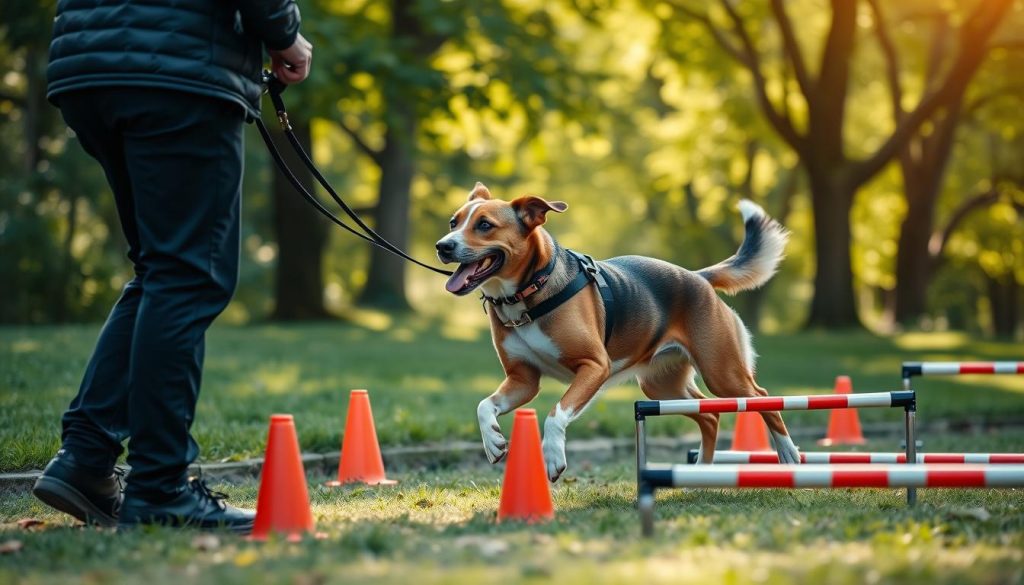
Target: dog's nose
[445, 247]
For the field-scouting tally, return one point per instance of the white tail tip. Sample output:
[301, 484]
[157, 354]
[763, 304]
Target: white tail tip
[749, 209]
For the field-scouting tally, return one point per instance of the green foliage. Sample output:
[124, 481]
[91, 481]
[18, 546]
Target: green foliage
[427, 375]
[629, 111]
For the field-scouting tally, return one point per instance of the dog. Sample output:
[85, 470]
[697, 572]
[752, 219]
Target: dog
[632, 316]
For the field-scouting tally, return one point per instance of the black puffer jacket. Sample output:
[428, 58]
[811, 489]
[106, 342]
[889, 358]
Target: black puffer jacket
[210, 47]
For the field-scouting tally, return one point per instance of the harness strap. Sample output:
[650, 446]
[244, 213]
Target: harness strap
[589, 273]
[607, 297]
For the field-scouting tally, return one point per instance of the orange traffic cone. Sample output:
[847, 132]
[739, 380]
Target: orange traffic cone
[360, 453]
[525, 494]
[843, 423]
[751, 434]
[282, 505]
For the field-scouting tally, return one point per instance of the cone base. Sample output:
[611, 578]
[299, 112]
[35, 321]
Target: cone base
[293, 537]
[831, 442]
[381, 482]
[528, 519]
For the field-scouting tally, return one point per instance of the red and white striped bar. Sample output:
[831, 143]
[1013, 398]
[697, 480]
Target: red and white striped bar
[960, 368]
[829, 476]
[769, 403]
[767, 457]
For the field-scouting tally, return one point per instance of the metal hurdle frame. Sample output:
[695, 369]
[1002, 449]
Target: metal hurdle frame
[728, 457]
[911, 369]
[642, 409]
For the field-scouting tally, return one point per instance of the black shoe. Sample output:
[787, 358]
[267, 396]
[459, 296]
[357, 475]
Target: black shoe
[90, 496]
[195, 505]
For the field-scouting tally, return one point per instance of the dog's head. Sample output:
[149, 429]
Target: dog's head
[491, 238]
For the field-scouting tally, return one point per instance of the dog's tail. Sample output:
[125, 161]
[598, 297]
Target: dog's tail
[758, 257]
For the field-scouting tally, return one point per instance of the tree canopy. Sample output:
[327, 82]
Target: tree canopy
[885, 136]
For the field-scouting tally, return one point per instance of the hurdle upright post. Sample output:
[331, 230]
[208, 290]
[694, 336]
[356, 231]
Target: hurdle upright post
[645, 504]
[910, 412]
[909, 370]
[641, 447]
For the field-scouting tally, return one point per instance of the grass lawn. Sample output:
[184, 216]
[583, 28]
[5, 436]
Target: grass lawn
[437, 526]
[425, 378]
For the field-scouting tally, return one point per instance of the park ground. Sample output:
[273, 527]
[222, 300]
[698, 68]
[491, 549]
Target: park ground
[437, 525]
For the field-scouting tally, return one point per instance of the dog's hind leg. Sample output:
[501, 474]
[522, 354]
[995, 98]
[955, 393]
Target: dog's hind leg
[673, 380]
[784, 445]
[724, 355]
[740, 383]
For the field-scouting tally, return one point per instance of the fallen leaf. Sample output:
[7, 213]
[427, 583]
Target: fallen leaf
[246, 558]
[206, 542]
[27, 523]
[309, 579]
[487, 547]
[11, 547]
[975, 513]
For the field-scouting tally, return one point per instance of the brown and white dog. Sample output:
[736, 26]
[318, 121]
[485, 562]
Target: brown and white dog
[669, 323]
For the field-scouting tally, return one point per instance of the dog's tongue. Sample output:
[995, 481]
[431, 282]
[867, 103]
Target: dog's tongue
[458, 281]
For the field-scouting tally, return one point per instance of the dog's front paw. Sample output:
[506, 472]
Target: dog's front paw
[495, 445]
[554, 458]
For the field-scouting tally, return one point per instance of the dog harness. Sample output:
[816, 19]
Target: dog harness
[589, 273]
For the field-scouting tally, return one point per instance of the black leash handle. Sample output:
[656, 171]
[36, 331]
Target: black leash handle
[274, 89]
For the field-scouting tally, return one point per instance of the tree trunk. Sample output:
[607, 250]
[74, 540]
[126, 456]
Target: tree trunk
[61, 295]
[913, 261]
[923, 164]
[385, 284]
[1004, 303]
[833, 306]
[35, 104]
[301, 239]
[750, 308]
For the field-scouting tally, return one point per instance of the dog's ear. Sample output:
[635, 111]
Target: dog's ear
[532, 210]
[480, 191]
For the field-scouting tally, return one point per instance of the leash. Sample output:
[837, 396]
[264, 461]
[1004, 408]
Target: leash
[589, 272]
[274, 88]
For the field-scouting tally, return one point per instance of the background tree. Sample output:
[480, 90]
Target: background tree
[923, 160]
[402, 63]
[834, 174]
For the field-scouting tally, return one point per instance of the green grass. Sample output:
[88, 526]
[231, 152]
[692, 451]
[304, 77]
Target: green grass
[425, 378]
[438, 525]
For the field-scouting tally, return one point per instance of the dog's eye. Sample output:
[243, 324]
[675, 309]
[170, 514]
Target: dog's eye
[452, 224]
[484, 225]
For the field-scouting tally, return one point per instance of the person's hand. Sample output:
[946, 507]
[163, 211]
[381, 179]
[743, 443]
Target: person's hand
[292, 64]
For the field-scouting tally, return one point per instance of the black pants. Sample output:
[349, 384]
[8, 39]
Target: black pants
[174, 163]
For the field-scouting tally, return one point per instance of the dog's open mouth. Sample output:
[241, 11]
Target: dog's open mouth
[472, 274]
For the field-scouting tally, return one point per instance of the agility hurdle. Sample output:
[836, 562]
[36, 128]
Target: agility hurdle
[816, 457]
[642, 409]
[820, 476]
[911, 369]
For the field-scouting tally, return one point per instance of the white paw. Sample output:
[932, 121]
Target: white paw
[787, 450]
[495, 445]
[554, 457]
[700, 455]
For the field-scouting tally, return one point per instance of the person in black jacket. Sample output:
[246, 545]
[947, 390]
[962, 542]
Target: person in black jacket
[157, 92]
